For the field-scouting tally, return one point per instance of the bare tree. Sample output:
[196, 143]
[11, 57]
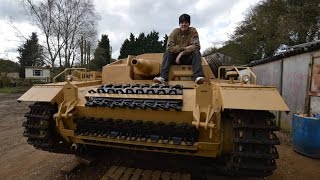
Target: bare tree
[63, 23]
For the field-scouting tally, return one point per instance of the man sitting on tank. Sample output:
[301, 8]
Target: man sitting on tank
[183, 48]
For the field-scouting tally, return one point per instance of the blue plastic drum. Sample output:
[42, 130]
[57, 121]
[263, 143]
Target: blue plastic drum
[306, 135]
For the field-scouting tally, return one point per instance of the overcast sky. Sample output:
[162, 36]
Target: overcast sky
[215, 20]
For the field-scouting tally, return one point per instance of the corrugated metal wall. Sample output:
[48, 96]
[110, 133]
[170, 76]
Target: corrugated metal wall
[269, 74]
[293, 86]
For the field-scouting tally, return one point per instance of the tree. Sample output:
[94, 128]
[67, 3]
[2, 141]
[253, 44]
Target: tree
[143, 44]
[153, 44]
[102, 54]
[63, 23]
[104, 43]
[132, 49]
[209, 51]
[128, 47]
[302, 21]
[271, 23]
[124, 50]
[165, 42]
[30, 54]
[6, 67]
[257, 36]
[140, 44]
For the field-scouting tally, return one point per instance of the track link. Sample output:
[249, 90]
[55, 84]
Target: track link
[158, 89]
[40, 129]
[133, 103]
[254, 150]
[152, 104]
[138, 130]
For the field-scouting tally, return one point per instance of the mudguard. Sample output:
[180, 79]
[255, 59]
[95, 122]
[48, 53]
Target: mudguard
[43, 93]
[252, 98]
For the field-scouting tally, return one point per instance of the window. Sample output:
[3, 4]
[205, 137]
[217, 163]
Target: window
[37, 72]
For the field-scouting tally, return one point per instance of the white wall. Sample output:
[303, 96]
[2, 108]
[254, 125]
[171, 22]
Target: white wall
[29, 73]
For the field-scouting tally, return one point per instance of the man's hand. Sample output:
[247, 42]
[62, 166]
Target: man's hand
[178, 57]
[190, 48]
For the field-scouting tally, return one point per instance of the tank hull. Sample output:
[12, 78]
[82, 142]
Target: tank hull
[221, 119]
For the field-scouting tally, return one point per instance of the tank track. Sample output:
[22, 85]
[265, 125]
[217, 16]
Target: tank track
[138, 130]
[254, 151]
[40, 129]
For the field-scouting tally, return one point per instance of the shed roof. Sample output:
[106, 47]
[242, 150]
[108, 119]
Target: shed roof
[290, 51]
[36, 67]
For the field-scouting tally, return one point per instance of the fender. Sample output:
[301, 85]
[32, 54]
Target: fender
[252, 98]
[43, 93]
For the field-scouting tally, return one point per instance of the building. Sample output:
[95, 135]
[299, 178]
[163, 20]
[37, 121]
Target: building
[296, 74]
[37, 73]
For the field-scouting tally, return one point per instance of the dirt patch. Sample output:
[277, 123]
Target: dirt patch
[18, 159]
[284, 137]
[292, 165]
[21, 161]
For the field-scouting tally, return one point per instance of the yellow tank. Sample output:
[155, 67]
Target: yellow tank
[227, 117]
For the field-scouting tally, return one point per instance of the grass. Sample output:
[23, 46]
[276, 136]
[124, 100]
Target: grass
[14, 89]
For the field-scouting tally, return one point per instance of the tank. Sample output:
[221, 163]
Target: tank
[227, 118]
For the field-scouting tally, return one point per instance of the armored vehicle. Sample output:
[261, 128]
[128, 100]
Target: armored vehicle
[226, 118]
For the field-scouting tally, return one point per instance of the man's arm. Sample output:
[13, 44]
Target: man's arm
[171, 45]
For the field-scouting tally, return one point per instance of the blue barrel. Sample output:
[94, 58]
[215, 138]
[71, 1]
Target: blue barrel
[306, 135]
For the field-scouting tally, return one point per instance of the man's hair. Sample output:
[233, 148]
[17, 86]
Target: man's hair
[184, 17]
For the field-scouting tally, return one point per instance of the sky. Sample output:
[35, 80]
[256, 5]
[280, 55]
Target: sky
[215, 20]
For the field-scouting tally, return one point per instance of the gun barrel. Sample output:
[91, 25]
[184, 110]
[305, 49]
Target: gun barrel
[146, 67]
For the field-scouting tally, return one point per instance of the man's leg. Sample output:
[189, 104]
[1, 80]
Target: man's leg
[168, 60]
[197, 64]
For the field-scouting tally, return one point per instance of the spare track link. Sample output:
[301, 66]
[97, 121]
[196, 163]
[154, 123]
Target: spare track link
[138, 130]
[254, 151]
[40, 128]
[158, 89]
[153, 104]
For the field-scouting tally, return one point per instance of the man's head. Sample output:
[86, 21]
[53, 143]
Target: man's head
[184, 22]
